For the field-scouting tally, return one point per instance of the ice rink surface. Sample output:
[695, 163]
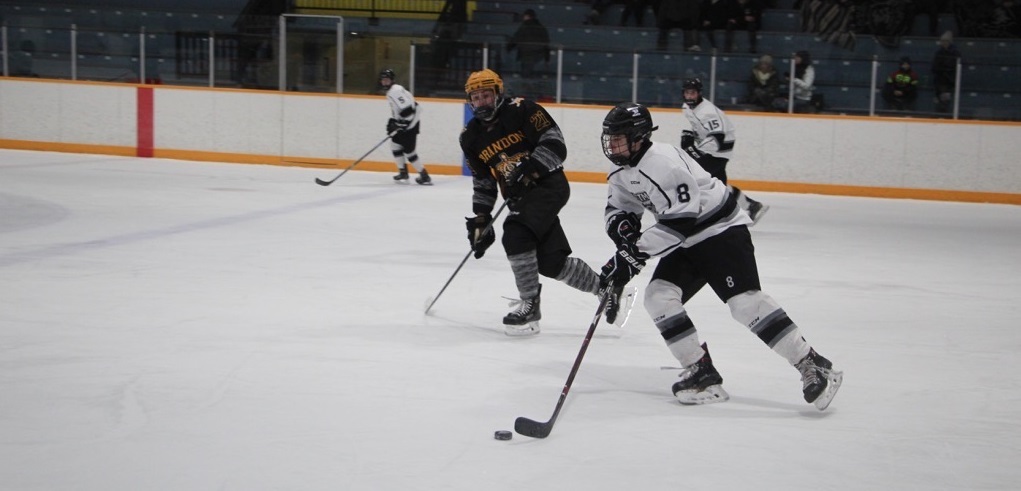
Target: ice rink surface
[191, 326]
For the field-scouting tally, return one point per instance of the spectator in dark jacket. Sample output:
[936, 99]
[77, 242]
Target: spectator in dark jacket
[714, 15]
[532, 42]
[763, 83]
[944, 71]
[678, 14]
[745, 15]
[901, 88]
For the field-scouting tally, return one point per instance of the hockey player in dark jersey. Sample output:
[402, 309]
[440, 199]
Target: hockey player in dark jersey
[710, 141]
[700, 237]
[515, 147]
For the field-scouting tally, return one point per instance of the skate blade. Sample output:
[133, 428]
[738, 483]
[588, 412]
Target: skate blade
[627, 302]
[833, 381]
[426, 183]
[525, 330]
[711, 394]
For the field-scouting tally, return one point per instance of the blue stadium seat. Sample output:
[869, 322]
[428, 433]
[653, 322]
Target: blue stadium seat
[607, 90]
[846, 98]
[990, 105]
[781, 20]
[990, 77]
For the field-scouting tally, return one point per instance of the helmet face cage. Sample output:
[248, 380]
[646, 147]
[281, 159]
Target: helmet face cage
[388, 73]
[631, 120]
[480, 80]
[692, 84]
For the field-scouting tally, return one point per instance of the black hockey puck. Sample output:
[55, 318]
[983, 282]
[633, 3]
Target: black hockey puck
[502, 435]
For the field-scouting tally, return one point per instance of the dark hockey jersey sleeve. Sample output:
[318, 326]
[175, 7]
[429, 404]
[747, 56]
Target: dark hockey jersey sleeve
[484, 185]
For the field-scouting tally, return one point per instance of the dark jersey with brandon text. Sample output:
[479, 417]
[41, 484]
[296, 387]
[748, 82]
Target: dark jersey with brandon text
[522, 128]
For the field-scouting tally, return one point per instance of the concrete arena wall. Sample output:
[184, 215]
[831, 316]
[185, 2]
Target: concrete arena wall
[906, 158]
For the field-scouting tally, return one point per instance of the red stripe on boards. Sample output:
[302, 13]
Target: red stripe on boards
[145, 122]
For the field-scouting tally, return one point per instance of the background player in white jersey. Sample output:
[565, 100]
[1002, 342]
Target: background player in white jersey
[700, 237]
[403, 125]
[711, 141]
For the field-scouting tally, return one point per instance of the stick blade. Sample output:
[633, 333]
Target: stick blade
[322, 182]
[531, 428]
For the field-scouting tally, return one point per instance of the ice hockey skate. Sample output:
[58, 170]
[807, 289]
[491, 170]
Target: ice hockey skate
[756, 210]
[402, 176]
[820, 381]
[619, 305]
[700, 383]
[524, 320]
[424, 179]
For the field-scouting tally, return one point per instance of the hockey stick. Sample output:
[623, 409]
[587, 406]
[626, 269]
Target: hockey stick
[535, 429]
[466, 256]
[327, 183]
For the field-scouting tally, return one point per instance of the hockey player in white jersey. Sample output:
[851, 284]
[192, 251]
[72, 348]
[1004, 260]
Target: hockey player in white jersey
[700, 237]
[711, 140]
[403, 125]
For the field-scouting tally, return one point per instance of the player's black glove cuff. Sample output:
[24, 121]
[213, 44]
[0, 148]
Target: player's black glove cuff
[624, 228]
[624, 265]
[480, 234]
[396, 126]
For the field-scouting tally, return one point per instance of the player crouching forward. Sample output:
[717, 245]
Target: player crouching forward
[516, 147]
[700, 236]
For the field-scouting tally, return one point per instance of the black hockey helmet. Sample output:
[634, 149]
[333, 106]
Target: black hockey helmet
[693, 83]
[388, 73]
[631, 120]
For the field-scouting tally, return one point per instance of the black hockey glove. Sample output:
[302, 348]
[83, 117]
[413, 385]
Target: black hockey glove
[479, 236]
[688, 139]
[396, 126]
[523, 176]
[624, 228]
[624, 265]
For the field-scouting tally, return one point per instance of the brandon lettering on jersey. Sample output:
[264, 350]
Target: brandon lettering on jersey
[500, 145]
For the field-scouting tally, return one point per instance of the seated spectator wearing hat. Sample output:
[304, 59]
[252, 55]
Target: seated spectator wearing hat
[901, 88]
[763, 84]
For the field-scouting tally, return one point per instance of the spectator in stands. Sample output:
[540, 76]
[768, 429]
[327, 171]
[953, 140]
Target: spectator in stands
[804, 85]
[1004, 20]
[715, 14]
[532, 42]
[636, 9]
[944, 71]
[763, 83]
[596, 11]
[901, 88]
[747, 16]
[932, 9]
[678, 14]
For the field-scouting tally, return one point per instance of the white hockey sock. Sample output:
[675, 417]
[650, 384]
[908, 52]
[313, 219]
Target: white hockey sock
[413, 160]
[663, 302]
[764, 317]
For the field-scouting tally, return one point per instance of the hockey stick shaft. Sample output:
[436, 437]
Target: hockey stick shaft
[466, 256]
[327, 183]
[536, 429]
